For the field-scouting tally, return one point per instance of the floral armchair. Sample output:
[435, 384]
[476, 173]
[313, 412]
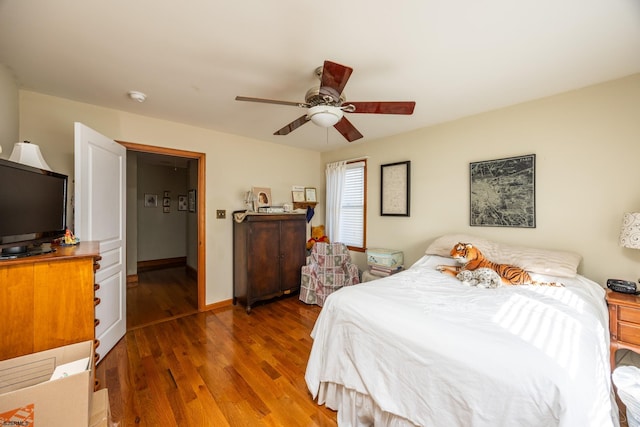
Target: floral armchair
[328, 269]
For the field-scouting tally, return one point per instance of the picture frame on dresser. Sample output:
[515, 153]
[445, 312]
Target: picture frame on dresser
[297, 196]
[261, 197]
[310, 194]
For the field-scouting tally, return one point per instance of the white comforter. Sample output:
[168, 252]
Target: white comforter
[429, 350]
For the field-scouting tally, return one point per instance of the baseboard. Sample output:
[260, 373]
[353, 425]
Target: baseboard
[191, 272]
[220, 304]
[132, 280]
[157, 264]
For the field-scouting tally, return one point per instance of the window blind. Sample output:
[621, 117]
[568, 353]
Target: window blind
[352, 206]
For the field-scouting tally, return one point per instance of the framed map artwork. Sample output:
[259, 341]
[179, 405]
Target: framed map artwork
[503, 192]
[395, 186]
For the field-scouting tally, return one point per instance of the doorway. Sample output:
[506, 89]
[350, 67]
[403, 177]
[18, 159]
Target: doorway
[178, 279]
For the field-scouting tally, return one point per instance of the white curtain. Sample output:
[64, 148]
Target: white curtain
[335, 173]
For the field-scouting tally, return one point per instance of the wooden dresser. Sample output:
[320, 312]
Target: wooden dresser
[268, 253]
[48, 301]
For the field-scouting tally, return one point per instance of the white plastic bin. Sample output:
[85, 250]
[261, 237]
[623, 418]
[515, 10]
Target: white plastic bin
[627, 381]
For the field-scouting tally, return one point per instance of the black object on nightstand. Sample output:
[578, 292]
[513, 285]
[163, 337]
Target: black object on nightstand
[624, 286]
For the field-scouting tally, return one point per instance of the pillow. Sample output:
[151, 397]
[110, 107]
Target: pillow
[541, 261]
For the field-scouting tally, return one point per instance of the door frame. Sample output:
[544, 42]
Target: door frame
[201, 205]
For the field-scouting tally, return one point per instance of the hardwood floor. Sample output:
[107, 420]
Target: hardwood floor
[216, 368]
[161, 295]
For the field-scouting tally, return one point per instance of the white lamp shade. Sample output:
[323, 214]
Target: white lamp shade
[325, 115]
[630, 231]
[28, 154]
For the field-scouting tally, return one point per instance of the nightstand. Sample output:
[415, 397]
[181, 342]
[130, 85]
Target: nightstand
[624, 323]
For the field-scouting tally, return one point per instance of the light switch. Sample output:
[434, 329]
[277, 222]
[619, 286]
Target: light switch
[221, 214]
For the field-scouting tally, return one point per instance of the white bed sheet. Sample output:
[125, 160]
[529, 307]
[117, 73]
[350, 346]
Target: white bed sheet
[422, 348]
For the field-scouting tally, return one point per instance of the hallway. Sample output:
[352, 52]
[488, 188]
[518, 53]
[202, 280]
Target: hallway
[160, 295]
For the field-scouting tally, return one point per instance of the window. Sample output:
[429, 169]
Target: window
[353, 206]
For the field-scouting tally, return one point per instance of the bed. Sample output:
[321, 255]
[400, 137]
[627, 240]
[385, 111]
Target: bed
[423, 348]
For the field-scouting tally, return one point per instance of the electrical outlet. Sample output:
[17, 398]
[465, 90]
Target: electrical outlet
[221, 214]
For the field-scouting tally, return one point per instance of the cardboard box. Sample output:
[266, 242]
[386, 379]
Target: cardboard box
[389, 258]
[100, 409]
[29, 397]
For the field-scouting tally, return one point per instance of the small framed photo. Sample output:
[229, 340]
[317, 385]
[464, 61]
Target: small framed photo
[261, 197]
[166, 194]
[182, 203]
[166, 202]
[310, 194]
[192, 200]
[297, 196]
[150, 200]
[166, 209]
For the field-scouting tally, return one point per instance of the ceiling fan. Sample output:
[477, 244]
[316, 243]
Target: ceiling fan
[327, 104]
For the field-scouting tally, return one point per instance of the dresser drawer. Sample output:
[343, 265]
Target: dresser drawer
[628, 314]
[629, 333]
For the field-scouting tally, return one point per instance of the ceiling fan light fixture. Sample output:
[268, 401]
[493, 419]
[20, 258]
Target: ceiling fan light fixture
[325, 115]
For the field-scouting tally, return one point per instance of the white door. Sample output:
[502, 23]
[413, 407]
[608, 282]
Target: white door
[100, 186]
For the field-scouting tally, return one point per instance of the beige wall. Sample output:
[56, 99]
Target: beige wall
[587, 144]
[587, 147]
[132, 214]
[192, 221]
[234, 164]
[8, 111]
[161, 235]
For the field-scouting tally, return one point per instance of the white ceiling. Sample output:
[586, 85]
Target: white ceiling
[453, 57]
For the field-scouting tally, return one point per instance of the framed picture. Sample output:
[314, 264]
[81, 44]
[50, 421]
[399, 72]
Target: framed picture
[192, 200]
[182, 203]
[261, 197]
[150, 200]
[395, 189]
[166, 202]
[166, 194]
[297, 196]
[503, 192]
[310, 194]
[166, 209]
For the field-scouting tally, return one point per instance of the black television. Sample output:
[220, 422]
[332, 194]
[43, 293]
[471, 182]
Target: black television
[33, 209]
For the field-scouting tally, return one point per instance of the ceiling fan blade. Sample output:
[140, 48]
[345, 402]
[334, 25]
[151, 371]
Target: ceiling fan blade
[335, 75]
[271, 101]
[383, 107]
[292, 126]
[347, 130]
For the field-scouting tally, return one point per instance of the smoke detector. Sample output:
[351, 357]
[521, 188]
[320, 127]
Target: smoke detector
[137, 96]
